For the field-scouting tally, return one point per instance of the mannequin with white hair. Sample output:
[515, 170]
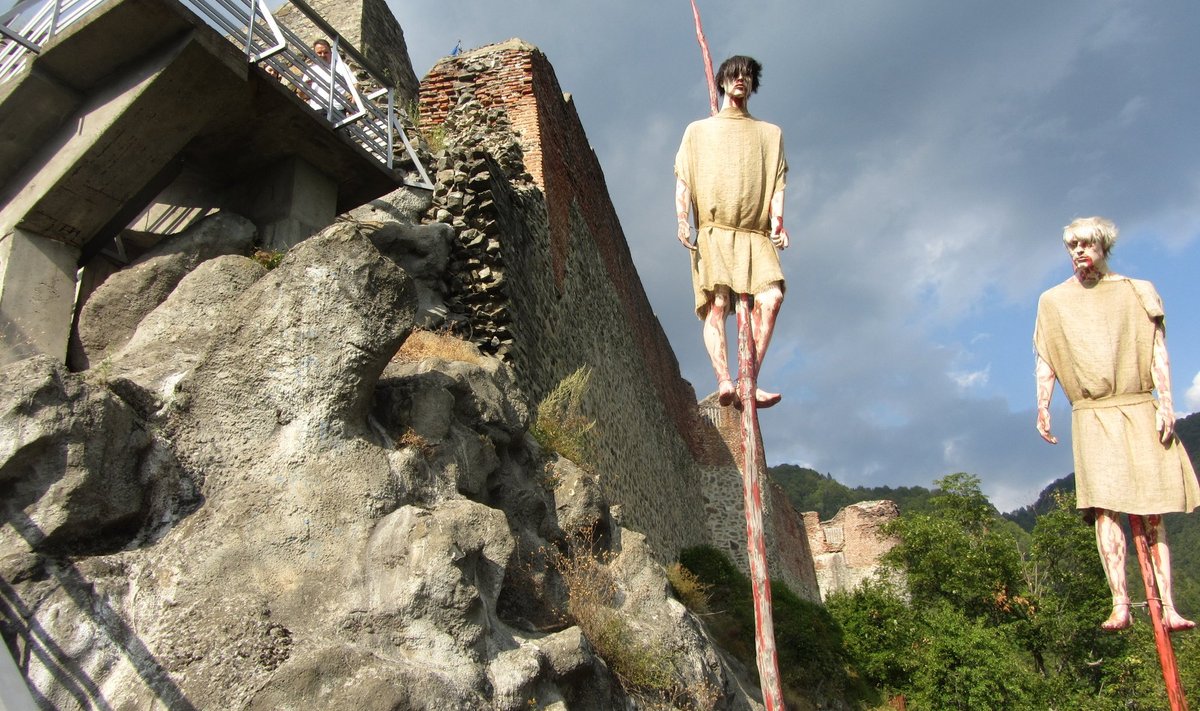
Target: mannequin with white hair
[1102, 337]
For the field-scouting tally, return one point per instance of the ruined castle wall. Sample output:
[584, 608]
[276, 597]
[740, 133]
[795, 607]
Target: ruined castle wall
[848, 549]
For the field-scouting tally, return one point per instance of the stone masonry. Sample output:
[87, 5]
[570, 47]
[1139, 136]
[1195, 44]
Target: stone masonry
[848, 548]
[370, 26]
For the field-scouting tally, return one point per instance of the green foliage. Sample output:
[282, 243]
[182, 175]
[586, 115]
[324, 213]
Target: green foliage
[561, 427]
[1000, 618]
[881, 633]
[269, 258]
[966, 664]
[959, 554]
[807, 638]
[1066, 578]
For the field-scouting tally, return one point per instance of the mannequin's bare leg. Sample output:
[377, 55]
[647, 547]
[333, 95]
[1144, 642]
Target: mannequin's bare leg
[1110, 541]
[714, 341]
[1160, 558]
[766, 310]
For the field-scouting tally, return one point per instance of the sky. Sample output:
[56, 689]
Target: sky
[936, 151]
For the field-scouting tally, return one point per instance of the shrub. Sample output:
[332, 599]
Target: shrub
[269, 258]
[688, 588]
[807, 639]
[561, 427]
[880, 633]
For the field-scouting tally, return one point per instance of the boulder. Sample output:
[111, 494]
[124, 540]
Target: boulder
[72, 458]
[113, 311]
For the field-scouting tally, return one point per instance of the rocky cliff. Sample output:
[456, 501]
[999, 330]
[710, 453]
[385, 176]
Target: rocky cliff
[248, 502]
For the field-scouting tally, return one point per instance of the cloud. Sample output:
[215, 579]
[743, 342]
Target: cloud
[1192, 397]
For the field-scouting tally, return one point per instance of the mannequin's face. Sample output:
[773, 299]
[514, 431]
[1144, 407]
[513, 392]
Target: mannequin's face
[737, 87]
[1086, 255]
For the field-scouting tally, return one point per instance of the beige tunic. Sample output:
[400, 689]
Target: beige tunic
[1100, 341]
[733, 164]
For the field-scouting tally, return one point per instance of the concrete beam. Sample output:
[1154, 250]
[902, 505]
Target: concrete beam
[119, 141]
[37, 296]
[288, 202]
[33, 107]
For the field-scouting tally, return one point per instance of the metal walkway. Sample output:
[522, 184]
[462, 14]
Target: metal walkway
[370, 119]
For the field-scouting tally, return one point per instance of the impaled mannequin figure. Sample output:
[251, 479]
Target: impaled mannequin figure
[730, 173]
[1102, 336]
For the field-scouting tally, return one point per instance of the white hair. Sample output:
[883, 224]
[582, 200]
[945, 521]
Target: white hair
[1092, 229]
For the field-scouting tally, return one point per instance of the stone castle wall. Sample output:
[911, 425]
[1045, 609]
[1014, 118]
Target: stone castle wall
[560, 272]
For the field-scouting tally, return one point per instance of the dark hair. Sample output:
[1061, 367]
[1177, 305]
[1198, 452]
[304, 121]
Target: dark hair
[739, 64]
[321, 40]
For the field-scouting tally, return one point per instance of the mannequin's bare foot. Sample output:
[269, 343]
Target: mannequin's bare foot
[726, 395]
[1176, 622]
[1119, 619]
[764, 399]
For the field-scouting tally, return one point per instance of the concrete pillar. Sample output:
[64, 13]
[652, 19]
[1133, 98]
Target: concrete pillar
[14, 692]
[288, 203]
[37, 296]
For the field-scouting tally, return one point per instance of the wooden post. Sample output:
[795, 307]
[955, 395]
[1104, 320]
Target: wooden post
[1162, 636]
[708, 71]
[764, 625]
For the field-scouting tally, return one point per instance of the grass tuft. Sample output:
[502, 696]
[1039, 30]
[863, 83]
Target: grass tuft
[561, 427]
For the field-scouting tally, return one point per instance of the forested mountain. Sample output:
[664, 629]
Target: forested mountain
[809, 490]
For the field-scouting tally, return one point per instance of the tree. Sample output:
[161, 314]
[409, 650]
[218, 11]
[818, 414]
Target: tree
[966, 664]
[959, 553]
[880, 633]
[1065, 577]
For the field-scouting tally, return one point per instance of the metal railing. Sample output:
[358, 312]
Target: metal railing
[371, 120]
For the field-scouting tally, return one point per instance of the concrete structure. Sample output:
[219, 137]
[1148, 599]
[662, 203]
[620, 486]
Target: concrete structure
[117, 108]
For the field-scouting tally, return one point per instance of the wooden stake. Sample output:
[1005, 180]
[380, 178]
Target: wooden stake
[1162, 636]
[708, 72]
[764, 625]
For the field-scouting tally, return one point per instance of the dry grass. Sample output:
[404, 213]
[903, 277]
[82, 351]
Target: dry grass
[644, 667]
[410, 439]
[422, 344]
[690, 590]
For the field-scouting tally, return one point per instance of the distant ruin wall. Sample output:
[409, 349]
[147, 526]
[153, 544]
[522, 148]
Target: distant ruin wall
[573, 297]
[848, 548]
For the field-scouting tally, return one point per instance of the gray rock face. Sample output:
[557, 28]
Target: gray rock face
[70, 458]
[114, 310]
[247, 507]
[423, 251]
[404, 205]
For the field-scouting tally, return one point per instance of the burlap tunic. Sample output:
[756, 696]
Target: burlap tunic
[1099, 341]
[733, 164]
